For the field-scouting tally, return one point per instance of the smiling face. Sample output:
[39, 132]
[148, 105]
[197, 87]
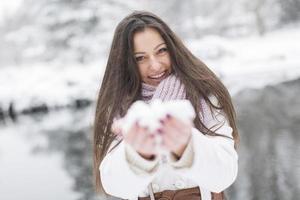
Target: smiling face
[152, 56]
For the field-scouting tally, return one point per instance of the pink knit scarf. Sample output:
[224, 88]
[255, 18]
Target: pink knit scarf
[168, 89]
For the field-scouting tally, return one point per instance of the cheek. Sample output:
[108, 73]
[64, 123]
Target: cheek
[168, 62]
[143, 72]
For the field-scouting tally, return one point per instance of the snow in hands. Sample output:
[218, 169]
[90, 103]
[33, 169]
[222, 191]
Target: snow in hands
[149, 115]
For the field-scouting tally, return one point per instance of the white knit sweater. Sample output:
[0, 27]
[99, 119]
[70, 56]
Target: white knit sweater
[209, 162]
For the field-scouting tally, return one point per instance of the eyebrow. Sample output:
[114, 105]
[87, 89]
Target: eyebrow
[154, 48]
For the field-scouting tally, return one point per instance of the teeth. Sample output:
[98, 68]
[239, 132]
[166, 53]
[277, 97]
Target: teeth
[158, 76]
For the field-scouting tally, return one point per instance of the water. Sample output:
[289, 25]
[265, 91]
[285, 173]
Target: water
[49, 156]
[269, 124]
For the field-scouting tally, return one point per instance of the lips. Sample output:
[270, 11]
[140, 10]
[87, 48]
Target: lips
[158, 76]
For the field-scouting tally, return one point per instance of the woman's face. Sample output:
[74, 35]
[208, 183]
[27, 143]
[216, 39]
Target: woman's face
[152, 56]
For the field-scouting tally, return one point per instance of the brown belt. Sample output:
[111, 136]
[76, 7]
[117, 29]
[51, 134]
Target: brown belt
[184, 194]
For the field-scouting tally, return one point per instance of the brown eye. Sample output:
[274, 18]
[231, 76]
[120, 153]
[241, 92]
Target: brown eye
[139, 58]
[162, 50]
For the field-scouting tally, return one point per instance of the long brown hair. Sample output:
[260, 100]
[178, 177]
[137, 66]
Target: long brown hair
[121, 84]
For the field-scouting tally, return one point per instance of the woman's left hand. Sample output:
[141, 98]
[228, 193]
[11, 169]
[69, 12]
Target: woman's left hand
[175, 134]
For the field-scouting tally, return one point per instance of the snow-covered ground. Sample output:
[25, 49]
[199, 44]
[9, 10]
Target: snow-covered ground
[249, 62]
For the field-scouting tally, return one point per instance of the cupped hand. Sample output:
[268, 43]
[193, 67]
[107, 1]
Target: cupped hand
[139, 138]
[176, 134]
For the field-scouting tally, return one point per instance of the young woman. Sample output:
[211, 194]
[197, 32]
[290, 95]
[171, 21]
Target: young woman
[148, 61]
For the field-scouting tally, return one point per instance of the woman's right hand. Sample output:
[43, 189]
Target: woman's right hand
[139, 138]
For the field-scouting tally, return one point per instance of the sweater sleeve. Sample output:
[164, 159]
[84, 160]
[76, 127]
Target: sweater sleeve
[214, 164]
[119, 172]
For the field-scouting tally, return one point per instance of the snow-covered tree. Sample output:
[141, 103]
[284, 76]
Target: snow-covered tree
[66, 30]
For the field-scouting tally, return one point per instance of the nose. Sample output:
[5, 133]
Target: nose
[154, 63]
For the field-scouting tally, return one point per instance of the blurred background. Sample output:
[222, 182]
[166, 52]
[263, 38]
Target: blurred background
[52, 58]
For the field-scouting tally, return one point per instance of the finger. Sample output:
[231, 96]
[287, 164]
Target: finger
[176, 133]
[178, 147]
[175, 137]
[149, 145]
[131, 134]
[177, 123]
[177, 129]
[168, 143]
[140, 138]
